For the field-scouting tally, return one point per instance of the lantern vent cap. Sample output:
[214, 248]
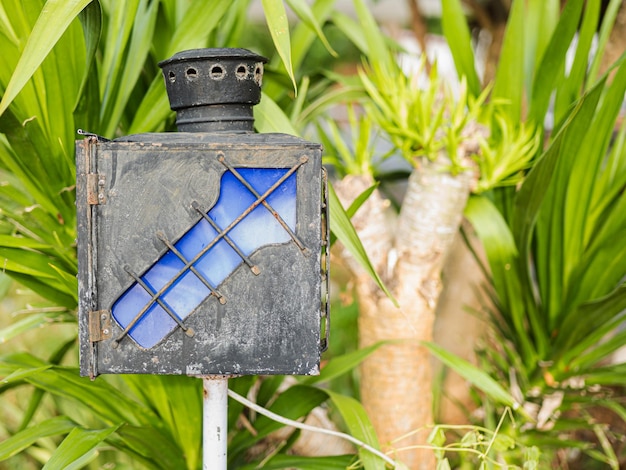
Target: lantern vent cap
[214, 89]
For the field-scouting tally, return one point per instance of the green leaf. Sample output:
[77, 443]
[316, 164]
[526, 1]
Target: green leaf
[276, 17]
[14, 241]
[342, 228]
[445, 465]
[91, 20]
[476, 376]
[531, 195]
[26, 262]
[502, 255]
[553, 60]
[153, 110]
[608, 375]
[457, 34]
[196, 26]
[270, 118]
[302, 36]
[495, 236]
[541, 18]
[585, 171]
[352, 30]
[343, 364]
[549, 180]
[582, 328]
[123, 77]
[76, 445]
[509, 81]
[608, 456]
[377, 48]
[360, 199]
[282, 461]
[305, 13]
[104, 401]
[37, 396]
[178, 402]
[69, 280]
[20, 374]
[156, 447]
[242, 386]
[24, 439]
[54, 19]
[568, 91]
[32, 321]
[269, 388]
[47, 288]
[29, 141]
[360, 427]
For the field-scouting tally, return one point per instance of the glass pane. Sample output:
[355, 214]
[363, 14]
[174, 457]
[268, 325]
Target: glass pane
[257, 229]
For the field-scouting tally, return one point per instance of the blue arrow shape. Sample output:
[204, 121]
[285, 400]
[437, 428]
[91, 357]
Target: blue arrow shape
[144, 315]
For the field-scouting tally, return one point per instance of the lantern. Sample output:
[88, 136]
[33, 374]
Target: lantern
[204, 251]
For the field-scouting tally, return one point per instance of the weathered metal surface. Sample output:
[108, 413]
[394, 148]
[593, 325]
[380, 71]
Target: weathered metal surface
[213, 89]
[185, 265]
[270, 320]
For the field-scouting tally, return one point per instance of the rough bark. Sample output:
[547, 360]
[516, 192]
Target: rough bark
[459, 325]
[396, 381]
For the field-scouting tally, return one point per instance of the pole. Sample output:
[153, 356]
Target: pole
[215, 423]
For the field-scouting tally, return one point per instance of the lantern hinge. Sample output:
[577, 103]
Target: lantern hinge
[99, 325]
[325, 264]
[95, 189]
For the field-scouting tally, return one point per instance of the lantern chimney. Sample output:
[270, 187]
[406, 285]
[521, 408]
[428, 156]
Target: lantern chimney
[213, 90]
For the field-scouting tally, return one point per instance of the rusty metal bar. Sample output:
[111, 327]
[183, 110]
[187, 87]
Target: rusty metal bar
[198, 274]
[156, 297]
[280, 220]
[254, 268]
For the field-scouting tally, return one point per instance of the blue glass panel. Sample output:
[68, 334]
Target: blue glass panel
[148, 331]
[255, 230]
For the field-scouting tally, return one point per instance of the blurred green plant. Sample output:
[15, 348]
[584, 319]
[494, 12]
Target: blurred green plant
[455, 143]
[556, 293]
[357, 157]
[547, 205]
[422, 117]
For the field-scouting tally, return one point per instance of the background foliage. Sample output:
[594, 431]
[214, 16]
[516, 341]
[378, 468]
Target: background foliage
[553, 241]
[556, 272]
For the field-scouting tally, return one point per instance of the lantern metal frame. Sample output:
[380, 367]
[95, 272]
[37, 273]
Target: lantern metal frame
[138, 195]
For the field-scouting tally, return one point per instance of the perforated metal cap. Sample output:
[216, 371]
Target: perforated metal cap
[214, 89]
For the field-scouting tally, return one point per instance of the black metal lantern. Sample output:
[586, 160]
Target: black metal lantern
[203, 252]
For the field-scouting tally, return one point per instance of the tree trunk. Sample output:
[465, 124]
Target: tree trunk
[459, 325]
[396, 382]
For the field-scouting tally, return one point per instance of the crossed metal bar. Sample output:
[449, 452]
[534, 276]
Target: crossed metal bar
[221, 234]
[280, 220]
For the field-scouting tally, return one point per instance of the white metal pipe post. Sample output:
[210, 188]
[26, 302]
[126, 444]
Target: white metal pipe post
[215, 423]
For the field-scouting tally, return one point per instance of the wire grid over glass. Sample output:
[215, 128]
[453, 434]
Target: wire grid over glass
[256, 207]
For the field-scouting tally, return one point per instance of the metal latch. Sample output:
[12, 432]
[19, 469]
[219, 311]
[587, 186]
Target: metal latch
[98, 138]
[99, 325]
[95, 189]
